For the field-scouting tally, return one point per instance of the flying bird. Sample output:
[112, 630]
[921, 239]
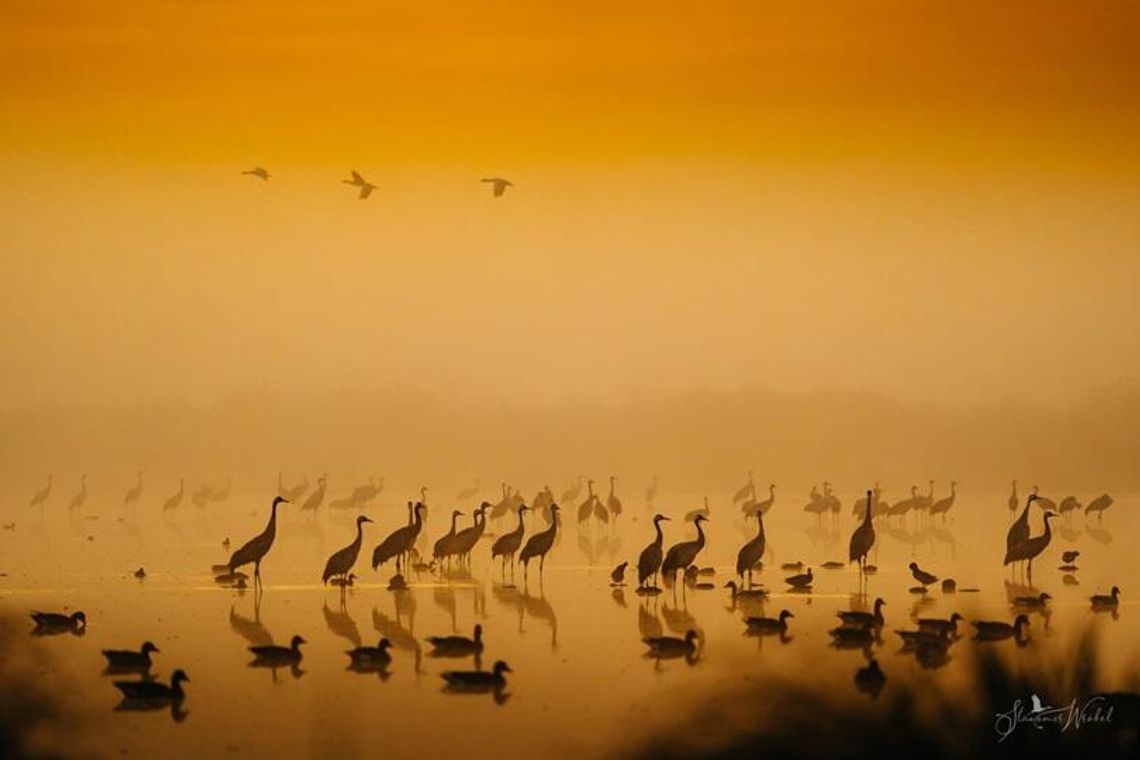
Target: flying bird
[499, 185]
[258, 171]
[365, 186]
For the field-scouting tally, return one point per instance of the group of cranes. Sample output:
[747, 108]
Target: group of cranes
[1068, 504]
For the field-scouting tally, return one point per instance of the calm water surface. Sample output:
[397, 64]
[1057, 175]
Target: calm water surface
[581, 686]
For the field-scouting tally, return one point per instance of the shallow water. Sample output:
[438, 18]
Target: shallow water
[581, 684]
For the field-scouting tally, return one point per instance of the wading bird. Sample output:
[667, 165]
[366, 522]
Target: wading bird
[257, 547]
[444, 547]
[863, 538]
[681, 555]
[752, 551]
[539, 544]
[508, 544]
[341, 562]
[131, 497]
[400, 541]
[649, 561]
[41, 496]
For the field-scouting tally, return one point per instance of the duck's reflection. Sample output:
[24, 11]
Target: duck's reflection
[1099, 534]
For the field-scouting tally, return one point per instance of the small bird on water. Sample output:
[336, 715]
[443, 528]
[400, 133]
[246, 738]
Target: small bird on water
[617, 577]
[128, 659]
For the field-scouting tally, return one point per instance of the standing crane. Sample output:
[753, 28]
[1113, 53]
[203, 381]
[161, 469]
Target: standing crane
[255, 549]
[539, 544]
[341, 562]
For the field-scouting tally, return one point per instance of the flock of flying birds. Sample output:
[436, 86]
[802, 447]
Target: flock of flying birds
[930, 641]
[355, 179]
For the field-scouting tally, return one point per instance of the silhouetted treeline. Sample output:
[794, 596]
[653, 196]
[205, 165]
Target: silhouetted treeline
[699, 440]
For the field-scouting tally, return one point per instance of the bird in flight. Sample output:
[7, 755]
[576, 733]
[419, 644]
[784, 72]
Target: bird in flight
[365, 186]
[258, 171]
[500, 185]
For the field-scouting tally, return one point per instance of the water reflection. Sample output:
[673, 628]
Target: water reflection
[253, 631]
[539, 608]
[341, 623]
[402, 637]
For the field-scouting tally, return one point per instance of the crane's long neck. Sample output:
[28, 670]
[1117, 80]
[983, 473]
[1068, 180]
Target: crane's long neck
[660, 536]
[700, 535]
[271, 526]
[418, 525]
[454, 517]
[611, 489]
[520, 528]
[553, 529]
[759, 524]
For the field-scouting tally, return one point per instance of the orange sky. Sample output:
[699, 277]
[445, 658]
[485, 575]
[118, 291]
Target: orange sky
[918, 198]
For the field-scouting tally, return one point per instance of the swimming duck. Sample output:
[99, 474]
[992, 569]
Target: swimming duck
[746, 593]
[1033, 602]
[49, 623]
[127, 659]
[477, 680]
[457, 646]
[671, 646]
[273, 655]
[940, 626]
[859, 617]
[371, 657]
[153, 691]
[996, 630]
[803, 580]
[766, 625]
[1106, 601]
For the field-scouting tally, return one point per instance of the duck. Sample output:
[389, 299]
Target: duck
[1069, 557]
[371, 657]
[346, 582]
[921, 575]
[129, 659]
[272, 654]
[996, 630]
[153, 691]
[457, 646]
[746, 593]
[862, 618]
[803, 580]
[792, 566]
[140, 573]
[617, 577]
[1107, 601]
[765, 625]
[477, 680]
[671, 646]
[1034, 602]
[940, 626]
[55, 622]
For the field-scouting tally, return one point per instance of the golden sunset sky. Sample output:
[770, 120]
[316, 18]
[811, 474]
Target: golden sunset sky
[934, 200]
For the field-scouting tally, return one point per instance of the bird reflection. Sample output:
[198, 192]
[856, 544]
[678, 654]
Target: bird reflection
[444, 597]
[402, 638]
[648, 623]
[538, 607]
[341, 623]
[618, 595]
[1099, 534]
[680, 620]
[510, 597]
[251, 630]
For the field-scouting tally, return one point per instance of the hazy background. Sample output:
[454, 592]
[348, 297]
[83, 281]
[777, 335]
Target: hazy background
[857, 240]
